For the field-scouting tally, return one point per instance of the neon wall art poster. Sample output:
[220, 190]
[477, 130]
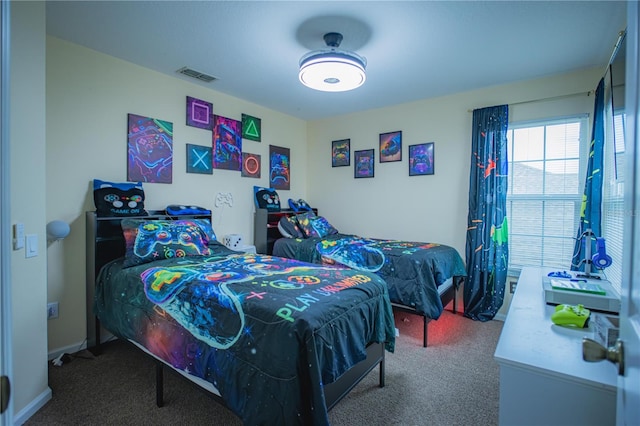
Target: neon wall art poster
[227, 143]
[363, 163]
[341, 153]
[279, 167]
[199, 159]
[149, 149]
[421, 159]
[391, 147]
[199, 113]
[251, 128]
[251, 165]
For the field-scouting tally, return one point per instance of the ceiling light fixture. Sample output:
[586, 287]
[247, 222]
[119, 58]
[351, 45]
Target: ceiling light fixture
[332, 70]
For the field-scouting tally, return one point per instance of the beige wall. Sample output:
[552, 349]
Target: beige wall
[27, 194]
[430, 208]
[89, 95]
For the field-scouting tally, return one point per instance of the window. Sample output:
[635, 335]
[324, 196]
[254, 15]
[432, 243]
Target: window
[546, 181]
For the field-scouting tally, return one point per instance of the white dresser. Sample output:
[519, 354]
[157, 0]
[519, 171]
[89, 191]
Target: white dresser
[543, 379]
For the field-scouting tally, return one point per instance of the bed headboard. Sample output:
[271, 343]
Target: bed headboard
[105, 242]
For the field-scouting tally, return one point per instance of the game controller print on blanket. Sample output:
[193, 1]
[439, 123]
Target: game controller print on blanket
[239, 320]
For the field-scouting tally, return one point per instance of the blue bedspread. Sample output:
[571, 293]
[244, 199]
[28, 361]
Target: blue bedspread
[266, 332]
[412, 270]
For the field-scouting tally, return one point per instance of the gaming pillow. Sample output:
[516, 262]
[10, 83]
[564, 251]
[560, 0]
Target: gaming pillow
[289, 228]
[266, 198]
[304, 222]
[179, 209]
[150, 240]
[322, 226]
[118, 199]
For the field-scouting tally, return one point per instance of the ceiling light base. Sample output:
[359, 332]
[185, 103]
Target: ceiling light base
[332, 70]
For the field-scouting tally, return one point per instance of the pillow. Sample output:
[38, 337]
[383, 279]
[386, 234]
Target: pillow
[206, 227]
[304, 223]
[289, 228]
[266, 198]
[150, 240]
[322, 226]
[178, 209]
[118, 199]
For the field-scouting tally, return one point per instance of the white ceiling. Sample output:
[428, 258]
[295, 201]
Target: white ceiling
[414, 49]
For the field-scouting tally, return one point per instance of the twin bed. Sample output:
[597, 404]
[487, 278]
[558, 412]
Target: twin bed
[278, 341]
[422, 278]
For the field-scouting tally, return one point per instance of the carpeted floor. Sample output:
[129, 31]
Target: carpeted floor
[452, 382]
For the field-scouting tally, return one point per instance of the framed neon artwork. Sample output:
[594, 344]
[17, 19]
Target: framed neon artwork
[199, 159]
[149, 149]
[227, 143]
[279, 167]
[363, 163]
[421, 159]
[390, 147]
[251, 165]
[199, 113]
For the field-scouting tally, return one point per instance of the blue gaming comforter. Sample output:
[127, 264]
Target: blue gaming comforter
[267, 332]
[413, 271]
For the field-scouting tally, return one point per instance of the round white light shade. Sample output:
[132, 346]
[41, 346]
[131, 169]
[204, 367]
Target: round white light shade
[57, 230]
[332, 71]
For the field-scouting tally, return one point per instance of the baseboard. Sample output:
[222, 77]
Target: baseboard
[71, 349]
[500, 317]
[33, 407]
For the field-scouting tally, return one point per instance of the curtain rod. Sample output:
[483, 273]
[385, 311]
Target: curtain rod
[550, 98]
[621, 35]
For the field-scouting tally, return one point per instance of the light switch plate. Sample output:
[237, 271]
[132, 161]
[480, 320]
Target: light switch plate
[32, 245]
[18, 236]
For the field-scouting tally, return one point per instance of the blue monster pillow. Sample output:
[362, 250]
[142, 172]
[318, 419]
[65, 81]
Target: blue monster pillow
[150, 240]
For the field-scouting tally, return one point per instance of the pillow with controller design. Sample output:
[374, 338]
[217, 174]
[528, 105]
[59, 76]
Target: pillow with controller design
[266, 198]
[150, 240]
[289, 228]
[322, 226]
[304, 222]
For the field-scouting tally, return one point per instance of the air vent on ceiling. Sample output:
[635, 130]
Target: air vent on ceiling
[196, 74]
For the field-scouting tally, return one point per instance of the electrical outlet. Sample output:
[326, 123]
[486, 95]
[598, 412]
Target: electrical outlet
[52, 310]
[512, 286]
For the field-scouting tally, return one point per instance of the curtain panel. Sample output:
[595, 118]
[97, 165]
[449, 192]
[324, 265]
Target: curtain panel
[487, 250]
[591, 210]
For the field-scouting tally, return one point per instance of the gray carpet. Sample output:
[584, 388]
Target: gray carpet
[452, 382]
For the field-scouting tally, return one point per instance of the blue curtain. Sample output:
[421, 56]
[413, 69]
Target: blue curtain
[590, 211]
[487, 249]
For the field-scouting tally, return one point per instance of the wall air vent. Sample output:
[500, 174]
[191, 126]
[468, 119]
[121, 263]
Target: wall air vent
[196, 74]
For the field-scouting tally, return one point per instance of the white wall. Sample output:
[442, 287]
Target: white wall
[89, 95]
[27, 195]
